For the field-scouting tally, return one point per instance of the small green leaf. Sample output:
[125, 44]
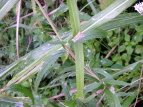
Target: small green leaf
[86, 100]
[70, 103]
[121, 48]
[139, 49]
[127, 37]
[124, 56]
[129, 50]
[103, 72]
[139, 28]
[106, 62]
[84, 16]
[137, 38]
[20, 88]
[91, 87]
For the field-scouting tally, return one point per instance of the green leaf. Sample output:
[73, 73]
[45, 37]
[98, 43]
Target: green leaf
[60, 10]
[91, 87]
[139, 49]
[124, 56]
[103, 72]
[129, 50]
[71, 103]
[63, 76]
[129, 100]
[3, 2]
[127, 68]
[107, 14]
[84, 16]
[113, 100]
[127, 37]
[7, 7]
[117, 66]
[116, 82]
[7, 102]
[121, 48]
[125, 94]
[57, 42]
[20, 88]
[79, 103]
[22, 26]
[122, 20]
[33, 62]
[44, 68]
[105, 3]
[106, 62]
[137, 37]
[65, 88]
[91, 34]
[138, 28]
[48, 2]
[86, 100]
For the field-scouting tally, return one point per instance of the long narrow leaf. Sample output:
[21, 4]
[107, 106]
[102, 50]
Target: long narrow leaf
[19, 88]
[122, 20]
[7, 7]
[113, 100]
[44, 69]
[108, 14]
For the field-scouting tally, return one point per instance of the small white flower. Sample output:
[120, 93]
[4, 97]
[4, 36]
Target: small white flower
[139, 7]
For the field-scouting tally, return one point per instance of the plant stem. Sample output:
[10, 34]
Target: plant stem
[17, 28]
[78, 48]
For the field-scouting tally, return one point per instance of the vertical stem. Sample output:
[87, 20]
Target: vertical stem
[79, 61]
[17, 28]
[78, 48]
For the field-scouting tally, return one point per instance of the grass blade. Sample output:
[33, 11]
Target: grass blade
[7, 7]
[122, 20]
[108, 14]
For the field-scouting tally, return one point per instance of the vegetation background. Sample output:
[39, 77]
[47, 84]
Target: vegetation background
[70, 53]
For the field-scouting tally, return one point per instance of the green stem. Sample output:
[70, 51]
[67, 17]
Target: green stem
[78, 48]
[79, 61]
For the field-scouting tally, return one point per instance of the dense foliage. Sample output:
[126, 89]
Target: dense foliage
[68, 53]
